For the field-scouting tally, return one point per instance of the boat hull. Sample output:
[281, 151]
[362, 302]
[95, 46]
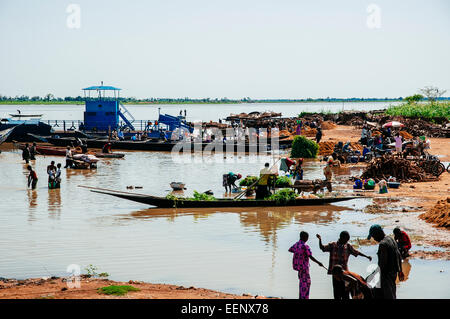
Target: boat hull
[163, 202]
[168, 146]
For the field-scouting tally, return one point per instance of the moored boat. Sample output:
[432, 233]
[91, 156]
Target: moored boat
[164, 202]
[165, 146]
[5, 133]
[109, 155]
[49, 150]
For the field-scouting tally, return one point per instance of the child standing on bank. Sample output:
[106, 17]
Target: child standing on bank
[300, 263]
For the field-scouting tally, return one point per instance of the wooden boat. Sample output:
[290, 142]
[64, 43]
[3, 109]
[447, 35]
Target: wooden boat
[49, 150]
[177, 186]
[163, 202]
[109, 155]
[18, 115]
[166, 146]
[5, 133]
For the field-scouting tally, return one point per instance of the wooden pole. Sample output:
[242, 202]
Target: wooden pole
[241, 193]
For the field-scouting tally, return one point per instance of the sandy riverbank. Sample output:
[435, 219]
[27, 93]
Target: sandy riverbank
[404, 205]
[57, 288]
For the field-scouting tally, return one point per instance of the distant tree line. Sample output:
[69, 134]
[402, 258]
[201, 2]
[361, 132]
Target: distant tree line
[430, 95]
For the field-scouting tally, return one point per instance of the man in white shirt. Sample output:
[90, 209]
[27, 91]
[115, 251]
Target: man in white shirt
[68, 157]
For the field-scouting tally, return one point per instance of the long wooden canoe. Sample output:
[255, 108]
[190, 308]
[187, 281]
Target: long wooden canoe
[163, 202]
[49, 150]
[5, 133]
[162, 146]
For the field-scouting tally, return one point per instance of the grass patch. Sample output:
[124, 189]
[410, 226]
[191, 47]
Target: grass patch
[421, 110]
[116, 290]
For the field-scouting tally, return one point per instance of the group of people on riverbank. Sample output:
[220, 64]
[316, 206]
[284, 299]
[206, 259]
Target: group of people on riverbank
[345, 283]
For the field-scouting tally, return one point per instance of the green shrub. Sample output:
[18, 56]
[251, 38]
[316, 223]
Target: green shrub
[283, 196]
[304, 147]
[116, 290]
[283, 181]
[249, 180]
[424, 110]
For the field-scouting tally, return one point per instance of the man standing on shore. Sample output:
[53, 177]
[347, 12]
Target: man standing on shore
[300, 263]
[389, 261]
[340, 251]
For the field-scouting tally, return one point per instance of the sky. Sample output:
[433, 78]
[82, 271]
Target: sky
[225, 48]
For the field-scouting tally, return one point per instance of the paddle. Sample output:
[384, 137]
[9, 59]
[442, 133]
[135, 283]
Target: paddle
[243, 192]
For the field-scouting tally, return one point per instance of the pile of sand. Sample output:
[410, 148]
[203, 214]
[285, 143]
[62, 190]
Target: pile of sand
[439, 214]
[327, 125]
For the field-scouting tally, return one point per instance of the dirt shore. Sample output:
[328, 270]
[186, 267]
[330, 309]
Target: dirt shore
[57, 288]
[405, 204]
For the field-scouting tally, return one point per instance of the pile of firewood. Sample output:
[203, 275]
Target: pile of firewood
[402, 169]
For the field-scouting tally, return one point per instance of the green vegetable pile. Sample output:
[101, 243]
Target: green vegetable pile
[197, 196]
[283, 181]
[283, 196]
[304, 147]
[202, 196]
[249, 180]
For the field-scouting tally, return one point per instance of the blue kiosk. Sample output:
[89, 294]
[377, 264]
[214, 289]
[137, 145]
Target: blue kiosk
[103, 113]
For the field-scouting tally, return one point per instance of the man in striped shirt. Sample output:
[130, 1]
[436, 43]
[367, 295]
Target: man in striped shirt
[340, 251]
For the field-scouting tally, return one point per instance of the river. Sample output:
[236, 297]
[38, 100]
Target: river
[44, 231]
[194, 112]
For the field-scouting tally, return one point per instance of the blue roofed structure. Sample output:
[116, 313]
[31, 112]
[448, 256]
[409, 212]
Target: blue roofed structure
[102, 113]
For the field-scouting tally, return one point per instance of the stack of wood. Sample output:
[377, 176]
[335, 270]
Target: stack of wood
[327, 148]
[309, 132]
[402, 169]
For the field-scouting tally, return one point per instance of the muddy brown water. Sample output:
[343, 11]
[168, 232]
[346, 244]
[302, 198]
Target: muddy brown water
[232, 250]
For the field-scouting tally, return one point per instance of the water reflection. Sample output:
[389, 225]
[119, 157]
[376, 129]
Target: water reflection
[264, 220]
[80, 172]
[32, 203]
[54, 203]
[406, 268]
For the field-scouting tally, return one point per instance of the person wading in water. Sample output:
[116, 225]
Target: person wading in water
[300, 263]
[32, 177]
[389, 261]
[340, 251]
